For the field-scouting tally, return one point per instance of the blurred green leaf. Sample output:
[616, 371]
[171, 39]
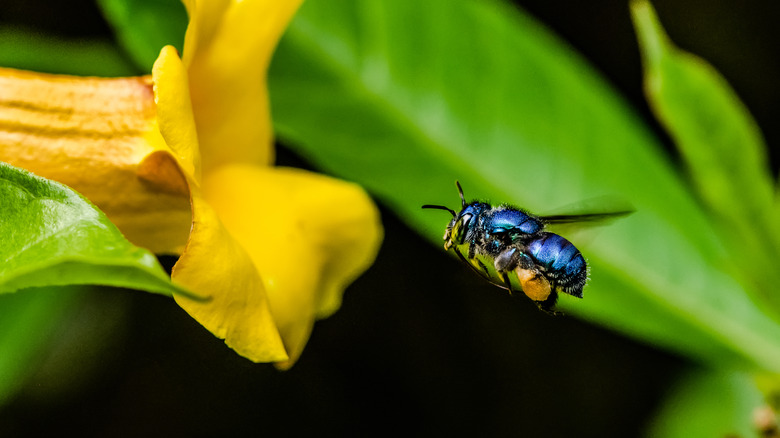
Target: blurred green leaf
[52, 237]
[143, 27]
[405, 97]
[721, 145]
[706, 404]
[27, 325]
[83, 342]
[30, 50]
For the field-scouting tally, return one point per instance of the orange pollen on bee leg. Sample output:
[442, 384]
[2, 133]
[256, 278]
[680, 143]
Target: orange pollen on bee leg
[534, 285]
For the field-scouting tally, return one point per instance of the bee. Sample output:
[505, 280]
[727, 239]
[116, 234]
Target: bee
[510, 248]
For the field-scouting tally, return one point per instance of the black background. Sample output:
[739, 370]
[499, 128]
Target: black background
[421, 346]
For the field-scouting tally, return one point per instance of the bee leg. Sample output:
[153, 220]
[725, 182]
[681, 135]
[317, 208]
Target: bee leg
[506, 261]
[547, 305]
[482, 273]
[484, 269]
[505, 279]
[463, 258]
[485, 273]
[472, 251]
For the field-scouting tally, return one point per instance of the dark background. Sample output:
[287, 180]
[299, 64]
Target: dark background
[421, 346]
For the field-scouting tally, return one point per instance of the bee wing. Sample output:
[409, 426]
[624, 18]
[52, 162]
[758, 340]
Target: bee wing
[587, 215]
[584, 218]
[590, 212]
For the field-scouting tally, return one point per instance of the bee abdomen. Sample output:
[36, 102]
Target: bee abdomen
[561, 262]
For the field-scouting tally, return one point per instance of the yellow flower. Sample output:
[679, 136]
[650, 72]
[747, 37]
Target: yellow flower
[181, 162]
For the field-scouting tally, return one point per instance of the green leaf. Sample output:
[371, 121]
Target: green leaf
[405, 97]
[706, 404]
[722, 148]
[28, 50]
[28, 323]
[75, 346]
[144, 27]
[52, 236]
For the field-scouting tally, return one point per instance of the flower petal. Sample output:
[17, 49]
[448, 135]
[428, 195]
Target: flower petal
[174, 109]
[308, 234]
[214, 263]
[91, 134]
[227, 50]
[204, 23]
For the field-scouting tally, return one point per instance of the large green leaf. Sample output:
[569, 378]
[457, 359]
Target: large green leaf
[28, 322]
[144, 27]
[405, 97]
[720, 141]
[52, 236]
[32, 50]
[707, 403]
[722, 147]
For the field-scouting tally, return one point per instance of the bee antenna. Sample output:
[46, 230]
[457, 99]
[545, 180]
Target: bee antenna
[460, 191]
[441, 207]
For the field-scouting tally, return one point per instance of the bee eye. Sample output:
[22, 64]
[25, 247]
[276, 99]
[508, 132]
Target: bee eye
[461, 227]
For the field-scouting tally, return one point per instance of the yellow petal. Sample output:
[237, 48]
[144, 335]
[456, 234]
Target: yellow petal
[205, 21]
[227, 49]
[308, 234]
[91, 134]
[174, 110]
[214, 264]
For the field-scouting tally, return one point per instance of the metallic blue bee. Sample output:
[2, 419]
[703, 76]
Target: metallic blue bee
[510, 248]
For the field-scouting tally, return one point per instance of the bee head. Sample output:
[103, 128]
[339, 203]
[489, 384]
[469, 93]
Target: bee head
[461, 223]
[466, 221]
